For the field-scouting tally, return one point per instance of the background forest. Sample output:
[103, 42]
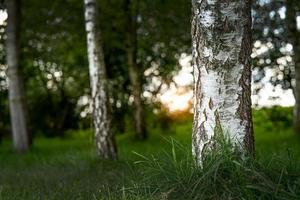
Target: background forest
[147, 51]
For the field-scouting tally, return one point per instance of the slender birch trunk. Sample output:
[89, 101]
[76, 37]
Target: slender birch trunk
[133, 69]
[294, 36]
[104, 136]
[17, 103]
[221, 36]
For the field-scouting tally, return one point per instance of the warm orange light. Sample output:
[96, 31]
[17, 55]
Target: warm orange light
[176, 101]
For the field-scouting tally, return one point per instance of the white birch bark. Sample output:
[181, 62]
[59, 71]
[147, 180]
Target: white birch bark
[104, 137]
[221, 36]
[17, 103]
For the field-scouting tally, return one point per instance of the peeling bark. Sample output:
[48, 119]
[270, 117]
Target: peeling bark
[294, 36]
[17, 101]
[105, 140]
[221, 36]
[133, 69]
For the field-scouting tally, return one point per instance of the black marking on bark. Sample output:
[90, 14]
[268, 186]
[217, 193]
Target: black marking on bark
[218, 127]
[205, 115]
[210, 104]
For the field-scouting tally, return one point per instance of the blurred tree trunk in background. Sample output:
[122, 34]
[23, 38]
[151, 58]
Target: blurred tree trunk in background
[105, 140]
[17, 101]
[131, 10]
[221, 36]
[294, 37]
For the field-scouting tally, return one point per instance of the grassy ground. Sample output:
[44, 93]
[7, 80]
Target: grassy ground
[160, 168]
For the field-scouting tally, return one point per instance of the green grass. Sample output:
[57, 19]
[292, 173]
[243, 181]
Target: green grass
[160, 168]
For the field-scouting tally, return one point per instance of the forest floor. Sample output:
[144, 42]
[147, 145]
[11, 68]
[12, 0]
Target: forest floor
[160, 168]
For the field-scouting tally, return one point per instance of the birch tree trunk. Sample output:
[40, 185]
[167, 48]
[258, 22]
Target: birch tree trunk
[221, 39]
[17, 103]
[294, 36]
[105, 141]
[133, 68]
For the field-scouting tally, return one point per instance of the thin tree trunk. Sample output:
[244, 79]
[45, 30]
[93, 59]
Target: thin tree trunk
[105, 140]
[221, 36]
[294, 36]
[17, 103]
[133, 68]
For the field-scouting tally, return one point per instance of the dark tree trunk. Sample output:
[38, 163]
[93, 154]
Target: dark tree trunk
[133, 68]
[105, 140]
[294, 36]
[17, 101]
[221, 36]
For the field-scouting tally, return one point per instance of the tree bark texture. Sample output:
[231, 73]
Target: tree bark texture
[17, 101]
[131, 11]
[294, 36]
[221, 41]
[105, 140]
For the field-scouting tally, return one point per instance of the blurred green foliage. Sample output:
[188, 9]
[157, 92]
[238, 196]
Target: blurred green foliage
[54, 59]
[55, 65]
[270, 29]
[273, 118]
